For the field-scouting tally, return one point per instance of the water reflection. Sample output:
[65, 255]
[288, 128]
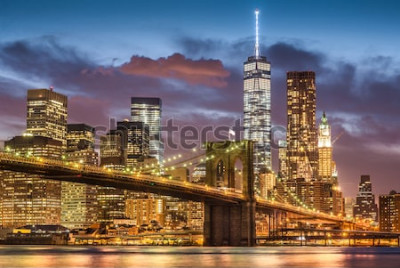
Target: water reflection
[31, 256]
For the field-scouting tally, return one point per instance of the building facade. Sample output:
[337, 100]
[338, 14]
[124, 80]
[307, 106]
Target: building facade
[47, 114]
[148, 111]
[365, 207]
[111, 201]
[135, 142]
[325, 162]
[79, 201]
[302, 153]
[257, 109]
[27, 199]
[389, 212]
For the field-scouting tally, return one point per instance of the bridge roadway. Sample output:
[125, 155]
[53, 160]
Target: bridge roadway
[74, 172]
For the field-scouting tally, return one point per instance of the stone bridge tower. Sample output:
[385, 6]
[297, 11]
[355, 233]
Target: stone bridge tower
[227, 224]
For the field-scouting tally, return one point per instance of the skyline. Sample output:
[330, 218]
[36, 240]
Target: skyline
[364, 107]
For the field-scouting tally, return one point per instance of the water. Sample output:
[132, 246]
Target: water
[55, 256]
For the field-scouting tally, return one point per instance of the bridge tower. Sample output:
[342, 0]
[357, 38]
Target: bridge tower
[228, 224]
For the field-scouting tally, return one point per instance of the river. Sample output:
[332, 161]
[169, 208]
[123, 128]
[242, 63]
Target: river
[75, 256]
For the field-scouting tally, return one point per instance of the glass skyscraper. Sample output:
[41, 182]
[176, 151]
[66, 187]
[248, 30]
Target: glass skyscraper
[257, 107]
[148, 111]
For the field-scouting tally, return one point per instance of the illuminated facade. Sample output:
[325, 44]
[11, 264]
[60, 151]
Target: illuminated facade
[325, 162]
[135, 142]
[27, 199]
[365, 207]
[389, 212]
[79, 201]
[302, 154]
[111, 201]
[47, 114]
[148, 111]
[282, 159]
[111, 150]
[144, 211]
[257, 107]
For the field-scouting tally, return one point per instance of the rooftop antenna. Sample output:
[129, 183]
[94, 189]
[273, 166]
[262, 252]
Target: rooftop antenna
[256, 48]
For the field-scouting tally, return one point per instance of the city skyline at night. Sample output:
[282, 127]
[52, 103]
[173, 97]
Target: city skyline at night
[196, 68]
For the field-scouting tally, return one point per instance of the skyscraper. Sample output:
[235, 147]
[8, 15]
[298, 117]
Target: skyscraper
[257, 106]
[148, 111]
[302, 154]
[135, 141]
[29, 199]
[111, 201]
[79, 201]
[389, 212]
[325, 162]
[365, 207]
[282, 159]
[26, 198]
[47, 114]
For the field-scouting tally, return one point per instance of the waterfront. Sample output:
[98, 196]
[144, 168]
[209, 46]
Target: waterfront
[53, 256]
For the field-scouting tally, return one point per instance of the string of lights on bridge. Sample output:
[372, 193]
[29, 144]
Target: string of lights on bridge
[158, 170]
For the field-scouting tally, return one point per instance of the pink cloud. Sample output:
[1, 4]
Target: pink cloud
[195, 72]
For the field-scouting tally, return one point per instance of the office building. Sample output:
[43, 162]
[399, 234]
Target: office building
[282, 151]
[111, 201]
[79, 201]
[148, 111]
[302, 153]
[365, 207]
[257, 107]
[47, 114]
[389, 212]
[28, 199]
[135, 142]
[348, 207]
[325, 162]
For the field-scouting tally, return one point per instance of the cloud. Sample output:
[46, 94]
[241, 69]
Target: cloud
[195, 72]
[360, 98]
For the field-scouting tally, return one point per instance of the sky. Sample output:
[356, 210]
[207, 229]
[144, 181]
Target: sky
[191, 54]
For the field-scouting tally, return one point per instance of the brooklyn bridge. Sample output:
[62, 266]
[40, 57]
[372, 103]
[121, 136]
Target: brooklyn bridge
[230, 201]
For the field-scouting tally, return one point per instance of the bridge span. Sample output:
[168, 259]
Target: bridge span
[229, 215]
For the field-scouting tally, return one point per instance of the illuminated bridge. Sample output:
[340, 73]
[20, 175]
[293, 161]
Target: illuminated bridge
[230, 215]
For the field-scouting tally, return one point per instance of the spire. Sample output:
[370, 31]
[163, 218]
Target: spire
[256, 47]
[324, 120]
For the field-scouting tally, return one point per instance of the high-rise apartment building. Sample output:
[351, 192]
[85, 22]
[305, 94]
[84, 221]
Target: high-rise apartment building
[26, 198]
[257, 107]
[389, 212]
[325, 162]
[148, 111]
[79, 201]
[365, 207]
[47, 114]
[302, 154]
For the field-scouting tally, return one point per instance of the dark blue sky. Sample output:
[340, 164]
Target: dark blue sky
[190, 53]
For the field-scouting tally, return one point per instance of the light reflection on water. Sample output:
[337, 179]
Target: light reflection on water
[52, 256]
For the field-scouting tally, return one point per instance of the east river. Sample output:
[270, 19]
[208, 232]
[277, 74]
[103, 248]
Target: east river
[74, 256]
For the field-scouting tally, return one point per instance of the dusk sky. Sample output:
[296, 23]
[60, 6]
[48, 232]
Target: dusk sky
[191, 54]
